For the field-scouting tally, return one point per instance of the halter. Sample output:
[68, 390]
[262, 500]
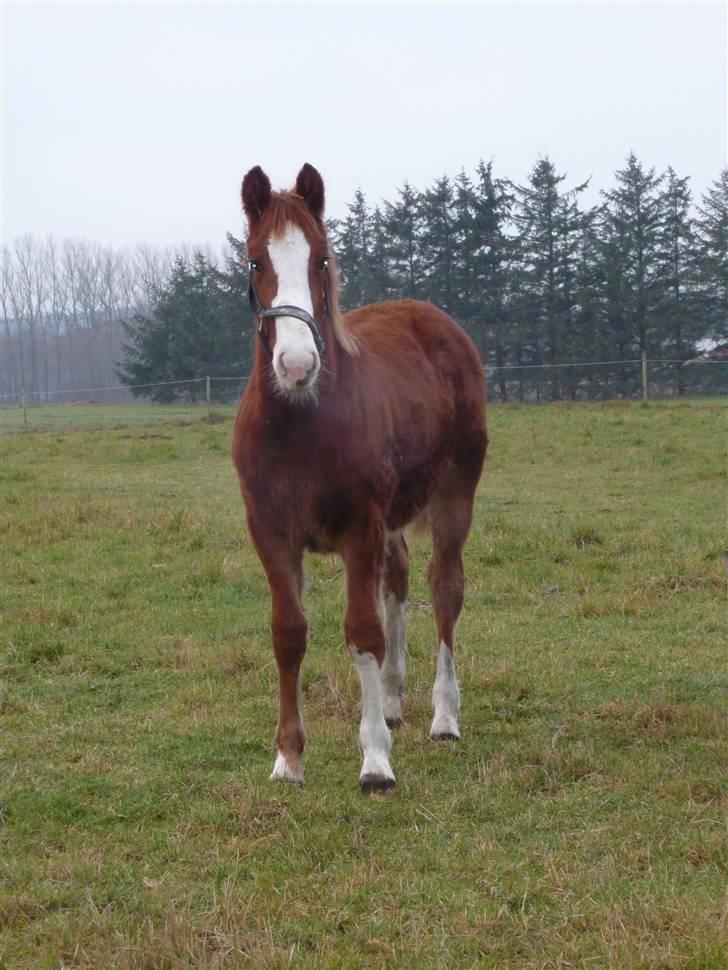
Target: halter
[286, 311]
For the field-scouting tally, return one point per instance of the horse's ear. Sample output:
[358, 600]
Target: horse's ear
[310, 186]
[255, 193]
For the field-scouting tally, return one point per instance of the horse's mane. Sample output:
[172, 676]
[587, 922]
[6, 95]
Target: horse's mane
[345, 337]
[287, 207]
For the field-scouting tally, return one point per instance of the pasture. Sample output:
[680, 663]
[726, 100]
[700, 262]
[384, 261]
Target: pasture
[580, 822]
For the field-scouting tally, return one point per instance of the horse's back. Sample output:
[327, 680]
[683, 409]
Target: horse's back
[407, 327]
[411, 335]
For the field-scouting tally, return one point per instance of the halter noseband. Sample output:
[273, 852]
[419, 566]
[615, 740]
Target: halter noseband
[286, 311]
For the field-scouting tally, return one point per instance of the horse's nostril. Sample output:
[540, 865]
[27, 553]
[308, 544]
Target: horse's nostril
[301, 382]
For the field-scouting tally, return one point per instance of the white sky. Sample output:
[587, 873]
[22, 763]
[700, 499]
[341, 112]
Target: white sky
[126, 122]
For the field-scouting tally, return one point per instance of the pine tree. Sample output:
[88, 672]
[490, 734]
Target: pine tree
[196, 330]
[631, 220]
[353, 253]
[712, 242]
[618, 343]
[573, 347]
[403, 230]
[438, 244]
[679, 327]
[548, 222]
[381, 284]
[589, 339]
[492, 255]
[466, 244]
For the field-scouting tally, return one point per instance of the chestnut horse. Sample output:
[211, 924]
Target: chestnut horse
[350, 428]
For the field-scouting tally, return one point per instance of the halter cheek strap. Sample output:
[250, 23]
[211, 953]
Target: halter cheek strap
[286, 311]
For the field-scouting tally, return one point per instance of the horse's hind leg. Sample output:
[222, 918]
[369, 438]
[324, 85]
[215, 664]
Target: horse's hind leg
[450, 514]
[395, 585]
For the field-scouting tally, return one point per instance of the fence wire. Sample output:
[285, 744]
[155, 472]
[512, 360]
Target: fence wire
[192, 399]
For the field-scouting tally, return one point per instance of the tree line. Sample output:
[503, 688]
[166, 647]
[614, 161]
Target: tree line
[539, 279]
[536, 277]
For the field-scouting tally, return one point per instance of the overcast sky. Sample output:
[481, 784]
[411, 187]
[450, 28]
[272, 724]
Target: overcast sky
[127, 122]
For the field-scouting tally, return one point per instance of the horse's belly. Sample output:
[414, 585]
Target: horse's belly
[412, 495]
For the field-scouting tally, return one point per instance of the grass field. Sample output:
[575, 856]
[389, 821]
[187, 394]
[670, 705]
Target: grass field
[581, 822]
[83, 416]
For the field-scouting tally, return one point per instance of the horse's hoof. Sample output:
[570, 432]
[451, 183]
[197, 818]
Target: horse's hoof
[287, 780]
[376, 784]
[393, 722]
[444, 728]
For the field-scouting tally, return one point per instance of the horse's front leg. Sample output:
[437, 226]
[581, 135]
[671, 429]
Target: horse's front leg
[284, 569]
[363, 559]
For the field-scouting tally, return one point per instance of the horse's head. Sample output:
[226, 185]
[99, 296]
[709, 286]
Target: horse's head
[291, 270]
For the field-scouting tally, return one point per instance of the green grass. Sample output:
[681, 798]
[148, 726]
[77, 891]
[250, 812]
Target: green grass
[580, 822]
[85, 416]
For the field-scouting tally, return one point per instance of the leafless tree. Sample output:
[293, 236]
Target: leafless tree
[64, 303]
[10, 372]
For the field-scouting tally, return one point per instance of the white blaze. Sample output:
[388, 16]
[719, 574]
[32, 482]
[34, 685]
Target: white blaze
[294, 341]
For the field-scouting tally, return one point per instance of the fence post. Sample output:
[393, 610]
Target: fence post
[25, 410]
[209, 405]
[644, 377]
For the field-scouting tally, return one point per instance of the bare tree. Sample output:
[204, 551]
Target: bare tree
[10, 373]
[28, 299]
[58, 300]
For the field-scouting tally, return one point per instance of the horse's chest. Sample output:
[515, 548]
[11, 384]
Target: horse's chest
[320, 492]
[314, 492]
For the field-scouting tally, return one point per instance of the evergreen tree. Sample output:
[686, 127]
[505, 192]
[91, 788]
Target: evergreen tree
[382, 286]
[712, 243]
[618, 342]
[196, 330]
[437, 247]
[589, 335]
[520, 320]
[403, 230]
[492, 258]
[631, 222]
[353, 253]
[574, 342]
[678, 326]
[466, 245]
[549, 222]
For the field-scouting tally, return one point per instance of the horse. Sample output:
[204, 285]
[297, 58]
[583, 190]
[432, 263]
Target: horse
[351, 428]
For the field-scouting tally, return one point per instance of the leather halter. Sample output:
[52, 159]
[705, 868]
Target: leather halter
[286, 311]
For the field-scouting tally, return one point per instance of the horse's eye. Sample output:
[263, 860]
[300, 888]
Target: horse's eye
[255, 266]
[325, 262]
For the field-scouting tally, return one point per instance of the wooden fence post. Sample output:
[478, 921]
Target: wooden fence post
[644, 377]
[209, 404]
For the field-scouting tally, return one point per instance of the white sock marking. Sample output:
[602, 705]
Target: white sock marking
[393, 668]
[283, 770]
[374, 737]
[445, 696]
